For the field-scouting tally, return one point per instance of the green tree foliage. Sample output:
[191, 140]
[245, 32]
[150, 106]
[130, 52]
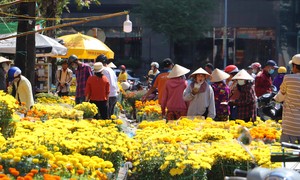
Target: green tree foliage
[178, 19]
[60, 5]
[57, 6]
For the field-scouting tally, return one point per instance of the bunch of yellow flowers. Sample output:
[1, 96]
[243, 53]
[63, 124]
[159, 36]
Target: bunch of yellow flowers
[89, 109]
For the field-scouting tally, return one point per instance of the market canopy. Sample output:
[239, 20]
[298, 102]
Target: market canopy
[45, 46]
[85, 47]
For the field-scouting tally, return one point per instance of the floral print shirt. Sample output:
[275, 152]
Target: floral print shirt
[221, 92]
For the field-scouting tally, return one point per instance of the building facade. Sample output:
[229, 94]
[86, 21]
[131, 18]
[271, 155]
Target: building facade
[257, 30]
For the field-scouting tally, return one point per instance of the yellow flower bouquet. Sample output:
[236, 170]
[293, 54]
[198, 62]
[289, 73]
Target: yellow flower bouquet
[89, 109]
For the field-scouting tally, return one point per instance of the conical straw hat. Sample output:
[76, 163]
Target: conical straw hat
[218, 75]
[3, 59]
[243, 75]
[178, 71]
[111, 65]
[200, 71]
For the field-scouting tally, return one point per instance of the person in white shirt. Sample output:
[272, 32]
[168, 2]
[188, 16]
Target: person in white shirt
[64, 77]
[113, 82]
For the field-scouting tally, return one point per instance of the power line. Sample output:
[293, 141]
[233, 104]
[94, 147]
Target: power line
[95, 18]
[41, 18]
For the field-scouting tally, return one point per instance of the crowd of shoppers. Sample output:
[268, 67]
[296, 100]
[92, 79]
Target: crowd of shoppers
[219, 94]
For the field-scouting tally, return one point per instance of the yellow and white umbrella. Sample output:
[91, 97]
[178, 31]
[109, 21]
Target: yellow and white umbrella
[85, 47]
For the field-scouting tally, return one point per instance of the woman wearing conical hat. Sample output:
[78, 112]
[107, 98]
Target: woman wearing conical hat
[4, 67]
[221, 93]
[246, 102]
[200, 96]
[172, 98]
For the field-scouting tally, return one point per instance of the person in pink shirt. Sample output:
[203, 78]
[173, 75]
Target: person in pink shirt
[172, 99]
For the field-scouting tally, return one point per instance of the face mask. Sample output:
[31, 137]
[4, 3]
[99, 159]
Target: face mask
[254, 71]
[5, 66]
[271, 71]
[241, 82]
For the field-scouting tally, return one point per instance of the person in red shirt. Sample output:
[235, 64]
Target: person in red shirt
[263, 80]
[97, 90]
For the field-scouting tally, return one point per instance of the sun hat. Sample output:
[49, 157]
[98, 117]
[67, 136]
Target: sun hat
[13, 72]
[200, 71]
[281, 70]
[231, 69]
[178, 71]
[218, 75]
[125, 85]
[98, 67]
[3, 59]
[243, 75]
[111, 65]
[271, 63]
[295, 59]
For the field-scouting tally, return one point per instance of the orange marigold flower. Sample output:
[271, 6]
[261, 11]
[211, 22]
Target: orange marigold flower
[80, 171]
[69, 167]
[1, 167]
[34, 171]
[30, 174]
[28, 178]
[11, 169]
[15, 173]
[44, 170]
[20, 178]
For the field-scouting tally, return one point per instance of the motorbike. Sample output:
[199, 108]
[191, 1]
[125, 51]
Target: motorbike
[268, 108]
[259, 173]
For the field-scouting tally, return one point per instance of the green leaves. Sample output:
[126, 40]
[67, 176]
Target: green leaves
[180, 20]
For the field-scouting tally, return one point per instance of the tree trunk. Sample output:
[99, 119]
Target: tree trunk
[31, 56]
[25, 45]
[21, 45]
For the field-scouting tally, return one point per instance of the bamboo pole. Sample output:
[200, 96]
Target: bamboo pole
[95, 18]
[15, 2]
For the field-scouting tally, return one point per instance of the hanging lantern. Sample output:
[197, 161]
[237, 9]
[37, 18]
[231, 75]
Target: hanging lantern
[127, 25]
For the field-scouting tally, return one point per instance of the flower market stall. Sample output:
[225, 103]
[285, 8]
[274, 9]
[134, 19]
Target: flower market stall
[60, 140]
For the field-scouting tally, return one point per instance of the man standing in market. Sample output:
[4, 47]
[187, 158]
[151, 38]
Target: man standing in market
[64, 77]
[113, 84]
[263, 80]
[83, 72]
[290, 90]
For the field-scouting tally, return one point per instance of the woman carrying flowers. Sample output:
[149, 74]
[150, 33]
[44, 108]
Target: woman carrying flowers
[172, 97]
[221, 93]
[22, 89]
[200, 95]
[97, 90]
